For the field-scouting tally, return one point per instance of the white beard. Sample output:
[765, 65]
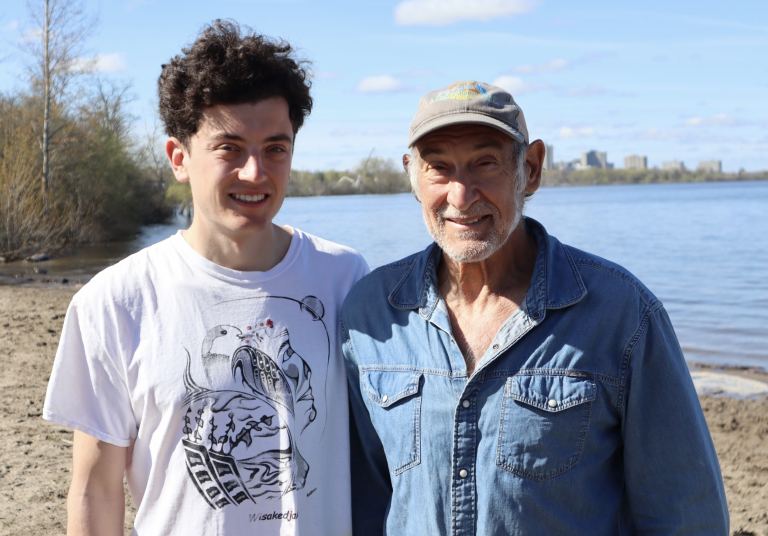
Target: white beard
[471, 246]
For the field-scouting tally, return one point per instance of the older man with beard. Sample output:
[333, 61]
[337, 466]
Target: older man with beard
[504, 383]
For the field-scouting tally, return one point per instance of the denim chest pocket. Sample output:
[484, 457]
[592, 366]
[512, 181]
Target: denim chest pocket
[543, 424]
[396, 414]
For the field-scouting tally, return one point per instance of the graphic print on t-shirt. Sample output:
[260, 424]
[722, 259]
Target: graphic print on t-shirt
[254, 400]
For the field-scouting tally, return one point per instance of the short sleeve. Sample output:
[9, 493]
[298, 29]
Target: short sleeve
[88, 390]
[362, 268]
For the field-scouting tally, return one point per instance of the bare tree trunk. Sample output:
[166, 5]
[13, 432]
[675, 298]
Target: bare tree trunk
[47, 98]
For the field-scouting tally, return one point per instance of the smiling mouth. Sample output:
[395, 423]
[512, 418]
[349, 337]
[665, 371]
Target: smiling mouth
[467, 222]
[248, 198]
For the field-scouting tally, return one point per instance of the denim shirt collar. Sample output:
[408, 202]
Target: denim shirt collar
[555, 283]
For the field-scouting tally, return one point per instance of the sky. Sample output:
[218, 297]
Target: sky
[684, 80]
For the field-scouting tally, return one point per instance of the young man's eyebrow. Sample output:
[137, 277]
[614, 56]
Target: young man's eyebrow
[236, 137]
[280, 137]
[226, 136]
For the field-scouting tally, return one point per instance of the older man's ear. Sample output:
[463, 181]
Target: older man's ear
[534, 163]
[406, 161]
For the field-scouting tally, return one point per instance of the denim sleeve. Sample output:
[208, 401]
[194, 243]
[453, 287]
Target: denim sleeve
[673, 481]
[371, 484]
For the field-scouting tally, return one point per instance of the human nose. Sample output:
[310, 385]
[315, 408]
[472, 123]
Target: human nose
[252, 169]
[462, 192]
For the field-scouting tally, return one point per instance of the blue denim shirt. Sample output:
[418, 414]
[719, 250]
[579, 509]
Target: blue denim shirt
[581, 418]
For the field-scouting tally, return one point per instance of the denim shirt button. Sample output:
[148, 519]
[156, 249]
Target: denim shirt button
[465, 403]
[552, 402]
[385, 398]
[463, 473]
[495, 346]
[536, 314]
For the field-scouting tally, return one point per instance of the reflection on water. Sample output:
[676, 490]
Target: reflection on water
[701, 248]
[87, 261]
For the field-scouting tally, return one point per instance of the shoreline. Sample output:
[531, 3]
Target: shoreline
[44, 282]
[35, 473]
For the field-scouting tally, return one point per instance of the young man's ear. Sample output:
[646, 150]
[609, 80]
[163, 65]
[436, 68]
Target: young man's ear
[177, 156]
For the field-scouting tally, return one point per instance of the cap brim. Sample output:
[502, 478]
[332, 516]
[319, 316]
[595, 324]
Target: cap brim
[463, 118]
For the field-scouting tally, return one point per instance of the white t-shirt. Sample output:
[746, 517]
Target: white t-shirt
[231, 384]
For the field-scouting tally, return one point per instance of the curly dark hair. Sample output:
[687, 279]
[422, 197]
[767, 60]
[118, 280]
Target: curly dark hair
[227, 66]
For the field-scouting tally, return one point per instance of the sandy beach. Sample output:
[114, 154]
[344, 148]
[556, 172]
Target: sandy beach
[35, 471]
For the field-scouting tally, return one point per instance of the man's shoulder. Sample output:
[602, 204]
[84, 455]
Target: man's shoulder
[379, 284]
[339, 264]
[331, 250]
[125, 279]
[602, 276]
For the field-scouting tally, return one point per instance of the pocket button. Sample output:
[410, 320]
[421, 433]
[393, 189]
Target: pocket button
[384, 399]
[465, 403]
[552, 403]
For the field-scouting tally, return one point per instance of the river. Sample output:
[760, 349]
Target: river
[702, 248]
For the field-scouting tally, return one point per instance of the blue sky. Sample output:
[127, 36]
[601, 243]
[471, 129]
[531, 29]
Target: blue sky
[684, 80]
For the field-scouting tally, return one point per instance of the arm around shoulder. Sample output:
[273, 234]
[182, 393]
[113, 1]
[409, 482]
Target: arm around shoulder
[96, 500]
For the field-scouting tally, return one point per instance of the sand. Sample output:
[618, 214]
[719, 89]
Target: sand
[36, 465]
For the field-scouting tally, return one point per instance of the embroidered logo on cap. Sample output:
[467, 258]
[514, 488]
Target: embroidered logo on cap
[463, 91]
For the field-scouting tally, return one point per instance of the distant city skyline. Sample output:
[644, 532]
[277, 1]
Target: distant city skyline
[670, 80]
[599, 159]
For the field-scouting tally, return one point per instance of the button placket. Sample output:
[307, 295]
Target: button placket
[463, 486]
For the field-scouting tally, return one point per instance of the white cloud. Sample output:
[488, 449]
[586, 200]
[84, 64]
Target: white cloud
[102, 63]
[379, 84]
[11, 26]
[553, 65]
[516, 86]
[717, 120]
[578, 132]
[450, 11]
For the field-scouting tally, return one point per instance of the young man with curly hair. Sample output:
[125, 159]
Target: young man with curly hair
[207, 368]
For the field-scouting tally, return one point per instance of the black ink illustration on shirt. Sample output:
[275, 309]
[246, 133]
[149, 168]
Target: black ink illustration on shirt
[245, 412]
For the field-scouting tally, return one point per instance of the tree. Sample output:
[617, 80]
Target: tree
[55, 43]
[151, 155]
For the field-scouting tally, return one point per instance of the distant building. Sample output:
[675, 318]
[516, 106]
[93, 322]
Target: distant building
[549, 157]
[596, 159]
[673, 165]
[566, 166]
[710, 166]
[634, 161]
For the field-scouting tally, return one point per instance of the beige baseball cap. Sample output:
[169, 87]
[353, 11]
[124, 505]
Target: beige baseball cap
[469, 101]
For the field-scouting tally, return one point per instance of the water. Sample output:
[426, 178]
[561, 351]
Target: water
[701, 248]
[90, 260]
